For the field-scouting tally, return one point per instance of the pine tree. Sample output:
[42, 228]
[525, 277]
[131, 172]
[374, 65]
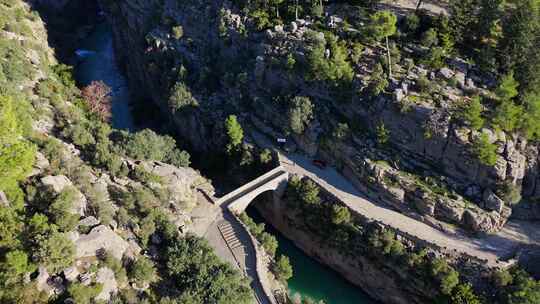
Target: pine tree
[473, 114]
[521, 44]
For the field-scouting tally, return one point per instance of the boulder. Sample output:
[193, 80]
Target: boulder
[100, 238]
[482, 221]
[294, 27]
[178, 181]
[56, 183]
[399, 94]
[106, 277]
[446, 73]
[89, 221]
[450, 210]
[492, 202]
[71, 273]
[3, 200]
[40, 164]
[42, 278]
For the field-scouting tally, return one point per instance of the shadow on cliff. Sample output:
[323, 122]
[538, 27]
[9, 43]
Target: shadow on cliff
[66, 21]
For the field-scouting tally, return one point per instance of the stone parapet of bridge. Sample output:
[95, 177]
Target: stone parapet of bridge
[238, 200]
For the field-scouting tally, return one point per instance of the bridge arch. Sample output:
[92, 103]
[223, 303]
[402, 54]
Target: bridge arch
[238, 200]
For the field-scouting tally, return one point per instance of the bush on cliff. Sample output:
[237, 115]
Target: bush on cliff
[181, 98]
[147, 145]
[300, 114]
[282, 269]
[485, 151]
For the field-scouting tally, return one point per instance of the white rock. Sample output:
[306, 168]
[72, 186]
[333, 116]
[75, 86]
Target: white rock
[56, 183]
[294, 27]
[71, 273]
[446, 73]
[3, 199]
[89, 221]
[106, 277]
[101, 237]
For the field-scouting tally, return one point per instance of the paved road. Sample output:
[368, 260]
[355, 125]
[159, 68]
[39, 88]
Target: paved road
[489, 248]
[492, 248]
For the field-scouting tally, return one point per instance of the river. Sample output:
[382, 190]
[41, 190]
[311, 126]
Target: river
[96, 61]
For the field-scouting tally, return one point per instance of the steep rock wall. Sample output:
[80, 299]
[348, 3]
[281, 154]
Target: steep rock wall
[232, 71]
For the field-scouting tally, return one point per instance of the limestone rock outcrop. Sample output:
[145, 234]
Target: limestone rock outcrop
[100, 238]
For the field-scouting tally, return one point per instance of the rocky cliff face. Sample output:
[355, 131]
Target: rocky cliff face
[379, 274]
[231, 68]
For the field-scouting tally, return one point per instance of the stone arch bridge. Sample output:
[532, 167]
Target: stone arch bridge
[238, 200]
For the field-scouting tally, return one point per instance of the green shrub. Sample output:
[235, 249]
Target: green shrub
[178, 32]
[357, 51]
[142, 175]
[265, 157]
[502, 278]
[383, 135]
[435, 58]
[181, 98]
[412, 23]
[143, 271]
[485, 151]
[61, 210]
[378, 81]
[82, 294]
[269, 243]
[473, 113]
[430, 38]
[382, 25]
[189, 262]
[463, 293]
[55, 252]
[115, 265]
[335, 69]
[282, 269]
[340, 215]
[234, 132]
[508, 116]
[300, 113]
[147, 145]
[261, 19]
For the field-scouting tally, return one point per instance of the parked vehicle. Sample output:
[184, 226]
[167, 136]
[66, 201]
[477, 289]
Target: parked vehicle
[321, 164]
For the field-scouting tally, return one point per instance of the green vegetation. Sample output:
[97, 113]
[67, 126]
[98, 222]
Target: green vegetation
[326, 219]
[143, 271]
[268, 241]
[473, 113]
[17, 154]
[282, 269]
[234, 132]
[485, 151]
[199, 276]
[335, 69]
[177, 31]
[61, 210]
[147, 145]
[383, 135]
[378, 81]
[55, 252]
[300, 114]
[84, 294]
[181, 98]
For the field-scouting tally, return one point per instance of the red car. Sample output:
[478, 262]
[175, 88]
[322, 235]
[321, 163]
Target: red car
[321, 164]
